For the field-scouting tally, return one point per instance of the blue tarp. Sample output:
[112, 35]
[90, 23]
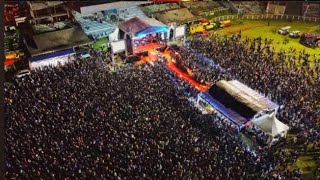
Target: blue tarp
[52, 55]
[230, 114]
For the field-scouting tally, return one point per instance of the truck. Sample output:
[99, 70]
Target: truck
[311, 40]
[206, 25]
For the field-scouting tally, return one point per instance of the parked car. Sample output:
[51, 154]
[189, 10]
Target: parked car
[295, 34]
[284, 30]
[22, 73]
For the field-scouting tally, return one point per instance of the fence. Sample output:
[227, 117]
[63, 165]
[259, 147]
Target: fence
[268, 16]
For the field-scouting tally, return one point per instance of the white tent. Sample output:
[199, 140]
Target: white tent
[270, 125]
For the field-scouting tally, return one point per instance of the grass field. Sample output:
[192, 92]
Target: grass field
[307, 161]
[256, 28]
[100, 43]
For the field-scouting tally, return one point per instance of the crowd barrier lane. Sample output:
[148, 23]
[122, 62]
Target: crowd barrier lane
[186, 77]
[152, 57]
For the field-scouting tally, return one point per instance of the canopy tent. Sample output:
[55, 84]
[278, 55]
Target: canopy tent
[227, 112]
[270, 125]
[140, 26]
[241, 98]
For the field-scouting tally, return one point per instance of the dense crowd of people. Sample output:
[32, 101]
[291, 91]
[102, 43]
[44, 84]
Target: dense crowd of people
[202, 69]
[82, 121]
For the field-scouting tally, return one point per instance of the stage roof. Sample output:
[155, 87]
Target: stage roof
[140, 26]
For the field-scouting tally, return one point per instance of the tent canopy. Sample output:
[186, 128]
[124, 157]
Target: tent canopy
[239, 97]
[140, 26]
[264, 102]
[244, 94]
[270, 124]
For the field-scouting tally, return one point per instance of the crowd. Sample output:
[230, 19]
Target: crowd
[202, 69]
[291, 81]
[81, 121]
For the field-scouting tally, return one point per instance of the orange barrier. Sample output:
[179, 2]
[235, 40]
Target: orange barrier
[186, 77]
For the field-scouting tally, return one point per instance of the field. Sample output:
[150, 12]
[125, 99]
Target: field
[100, 43]
[260, 28]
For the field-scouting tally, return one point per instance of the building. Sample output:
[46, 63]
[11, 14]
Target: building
[99, 20]
[14, 13]
[54, 44]
[48, 11]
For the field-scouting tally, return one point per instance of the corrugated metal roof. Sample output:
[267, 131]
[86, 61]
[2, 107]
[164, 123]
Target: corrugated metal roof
[108, 6]
[91, 26]
[55, 39]
[246, 95]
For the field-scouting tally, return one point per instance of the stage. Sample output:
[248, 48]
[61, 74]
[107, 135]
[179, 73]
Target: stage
[147, 41]
[147, 47]
[151, 48]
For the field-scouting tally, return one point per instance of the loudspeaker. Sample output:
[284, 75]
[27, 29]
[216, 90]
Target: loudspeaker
[132, 59]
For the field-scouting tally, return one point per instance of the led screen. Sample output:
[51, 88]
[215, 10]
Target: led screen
[118, 46]
[180, 31]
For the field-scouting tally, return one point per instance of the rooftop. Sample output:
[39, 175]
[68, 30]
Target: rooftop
[57, 40]
[39, 5]
[178, 15]
[92, 25]
[108, 6]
